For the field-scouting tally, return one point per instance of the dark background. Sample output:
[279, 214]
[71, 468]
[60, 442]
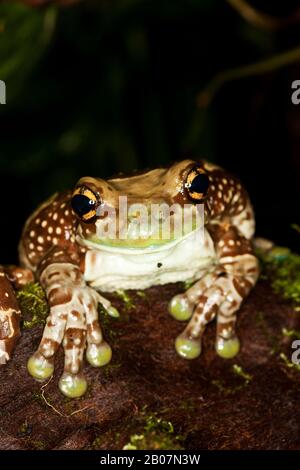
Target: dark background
[96, 88]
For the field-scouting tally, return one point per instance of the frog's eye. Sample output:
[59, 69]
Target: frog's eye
[197, 184]
[84, 203]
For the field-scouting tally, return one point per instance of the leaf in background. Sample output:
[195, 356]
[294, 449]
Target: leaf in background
[24, 35]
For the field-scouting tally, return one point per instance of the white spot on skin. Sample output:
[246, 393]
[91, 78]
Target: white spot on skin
[221, 243]
[55, 215]
[213, 187]
[50, 229]
[220, 186]
[231, 243]
[241, 207]
[37, 221]
[55, 241]
[219, 195]
[44, 223]
[6, 294]
[40, 239]
[62, 221]
[67, 212]
[49, 238]
[32, 234]
[58, 230]
[224, 181]
[40, 248]
[63, 205]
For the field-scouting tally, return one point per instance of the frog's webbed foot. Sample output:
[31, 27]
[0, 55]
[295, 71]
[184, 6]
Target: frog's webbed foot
[72, 322]
[10, 314]
[218, 294]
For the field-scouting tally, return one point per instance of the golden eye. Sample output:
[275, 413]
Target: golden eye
[84, 203]
[197, 184]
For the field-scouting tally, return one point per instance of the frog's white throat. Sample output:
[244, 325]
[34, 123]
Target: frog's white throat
[109, 268]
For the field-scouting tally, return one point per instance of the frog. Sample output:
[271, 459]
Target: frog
[81, 243]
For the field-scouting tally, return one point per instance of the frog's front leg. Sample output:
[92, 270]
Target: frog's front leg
[219, 293]
[73, 322]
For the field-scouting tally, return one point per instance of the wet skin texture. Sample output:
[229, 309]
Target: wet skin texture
[63, 247]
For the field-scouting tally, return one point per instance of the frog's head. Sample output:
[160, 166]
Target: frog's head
[141, 211]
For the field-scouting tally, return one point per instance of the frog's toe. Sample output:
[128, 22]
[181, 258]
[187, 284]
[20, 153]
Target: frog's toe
[188, 348]
[40, 367]
[98, 355]
[180, 308]
[228, 348]
[113, 312]
[72, 385]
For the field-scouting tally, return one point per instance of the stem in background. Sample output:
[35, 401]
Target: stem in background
[205, 97]
[262, 20]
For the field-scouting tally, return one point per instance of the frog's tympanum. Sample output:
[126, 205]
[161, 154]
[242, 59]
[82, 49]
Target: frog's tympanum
[79, 245]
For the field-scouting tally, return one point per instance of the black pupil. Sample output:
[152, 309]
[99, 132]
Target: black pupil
[200, 184]
[81, 204]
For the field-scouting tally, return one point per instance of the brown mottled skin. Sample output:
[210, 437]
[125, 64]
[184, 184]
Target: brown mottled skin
[53, 251]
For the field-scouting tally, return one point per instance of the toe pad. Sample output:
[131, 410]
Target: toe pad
[187, 348]
[39, 367]
[72, 386]
[228, 348]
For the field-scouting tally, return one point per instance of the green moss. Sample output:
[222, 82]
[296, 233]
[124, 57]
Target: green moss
[272, 339]
[107, 322]
[238, 370]
[244, 378]
[291, 333]
[288, 363]
[282, 267]
[33, 304]
[156, 434]
[141, 294]
[128, 301]
[146, 431]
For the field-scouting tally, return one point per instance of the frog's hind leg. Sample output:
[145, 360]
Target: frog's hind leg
[10, 277]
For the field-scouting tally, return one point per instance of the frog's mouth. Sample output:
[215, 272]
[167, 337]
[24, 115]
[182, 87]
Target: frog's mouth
[148, 232]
